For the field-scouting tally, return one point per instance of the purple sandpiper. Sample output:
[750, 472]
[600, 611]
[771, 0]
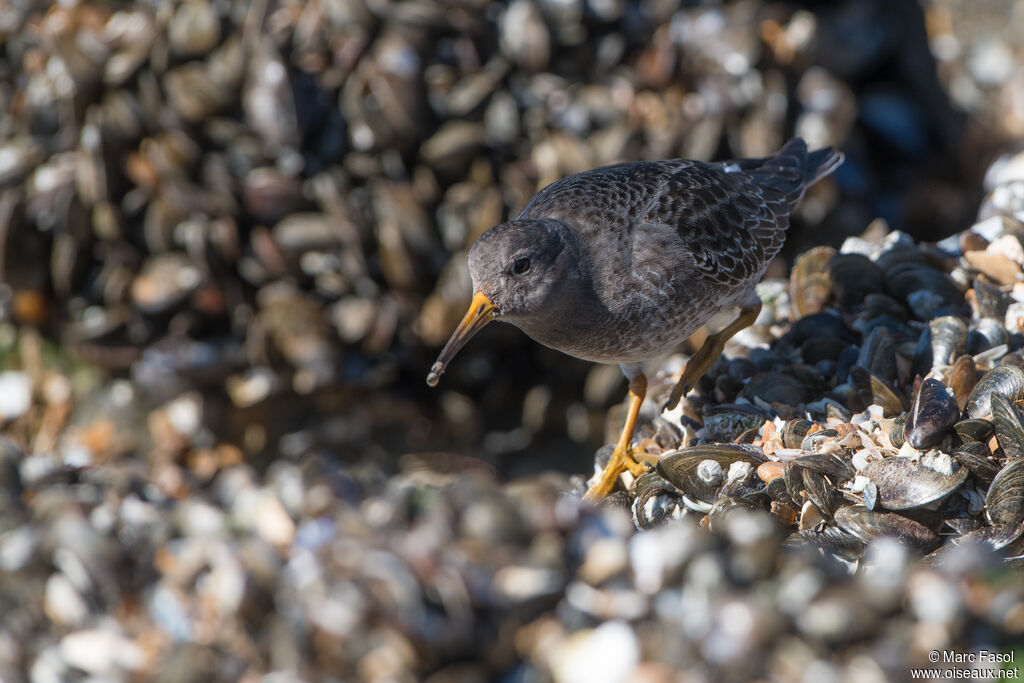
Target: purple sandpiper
[621, 263]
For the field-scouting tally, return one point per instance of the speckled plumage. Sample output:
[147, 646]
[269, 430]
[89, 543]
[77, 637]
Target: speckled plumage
[619, 264]
[630, 259]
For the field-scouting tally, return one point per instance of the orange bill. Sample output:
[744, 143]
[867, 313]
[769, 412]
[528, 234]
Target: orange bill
[481, 311]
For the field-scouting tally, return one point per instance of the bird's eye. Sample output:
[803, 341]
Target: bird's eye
[521, 266]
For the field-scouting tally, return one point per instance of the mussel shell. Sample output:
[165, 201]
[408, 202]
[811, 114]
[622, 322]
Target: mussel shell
[820, 491]
[650, 481]
[898, 430]
[948, 339]
[726, 422]
[854, 276]
[981, 466]
[900, 253]
[829, 464]
[1016, 358]
[836, 411]
[999, 537]
[777, 491]
[809, 282]
[882, 305]
[878, 354]
[817, 325]
[726, 507]
[794, 431]
[931, 415]
[1009, 427]
[830, 540]
[871, 496]
[793, 478]
[749, 436]
[749, 486]
[618, 499]
[976, 429]
[654, 500]
[868, 524]
[1004, 503]
[874, 389]
[975, 448]
[1005, 380]
[984, 335]
[965, 525]
[817, 349]
[1003, 540]
[903, 484]
[905, 278]
[679, 468]
[962, 379]
[990, 300]
[775, 387]
[811, 442]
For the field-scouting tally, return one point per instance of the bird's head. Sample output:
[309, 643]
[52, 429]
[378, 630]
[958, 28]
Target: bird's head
[522, 266]
[523, 270]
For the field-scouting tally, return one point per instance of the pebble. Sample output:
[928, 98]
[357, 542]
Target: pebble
[17, 548]
[101, 652]
[15, 394]
[63, 603]
[266, 515]
[517, 584]
[606, 654]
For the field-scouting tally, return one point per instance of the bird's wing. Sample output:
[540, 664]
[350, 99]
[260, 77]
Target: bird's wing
[729, 222]
[731, 217]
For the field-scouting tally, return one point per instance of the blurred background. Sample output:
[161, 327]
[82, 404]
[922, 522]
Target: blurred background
[265, 207]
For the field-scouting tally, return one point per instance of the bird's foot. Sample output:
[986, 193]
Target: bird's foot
[621, 460]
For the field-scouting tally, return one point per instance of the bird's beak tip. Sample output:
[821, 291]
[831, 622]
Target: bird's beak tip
[481, 311]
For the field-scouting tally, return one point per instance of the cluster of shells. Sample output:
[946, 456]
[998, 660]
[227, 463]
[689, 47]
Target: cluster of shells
[881, 394]
[134, 568]
[270, 198]
[274, 198]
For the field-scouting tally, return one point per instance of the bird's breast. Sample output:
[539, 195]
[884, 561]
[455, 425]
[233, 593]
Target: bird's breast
[651, 327]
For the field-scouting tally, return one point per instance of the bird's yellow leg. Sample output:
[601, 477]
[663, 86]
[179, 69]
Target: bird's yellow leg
[622, 457]
[707, 354]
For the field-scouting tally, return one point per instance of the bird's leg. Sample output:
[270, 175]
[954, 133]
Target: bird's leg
[622, 457]
[707, 354]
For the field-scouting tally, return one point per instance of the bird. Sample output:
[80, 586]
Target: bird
[621, 263]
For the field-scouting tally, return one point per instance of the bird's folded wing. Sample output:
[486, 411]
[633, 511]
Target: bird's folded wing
[730, 224]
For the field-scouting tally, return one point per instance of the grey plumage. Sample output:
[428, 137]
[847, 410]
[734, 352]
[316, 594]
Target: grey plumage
[627, 260]
[620, 263]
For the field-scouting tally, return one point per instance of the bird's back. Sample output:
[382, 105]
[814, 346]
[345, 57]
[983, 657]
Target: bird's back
[730, 216]
[669, 244]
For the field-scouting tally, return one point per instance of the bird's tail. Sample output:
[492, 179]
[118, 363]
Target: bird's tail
[820, 163]
[793, 169]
